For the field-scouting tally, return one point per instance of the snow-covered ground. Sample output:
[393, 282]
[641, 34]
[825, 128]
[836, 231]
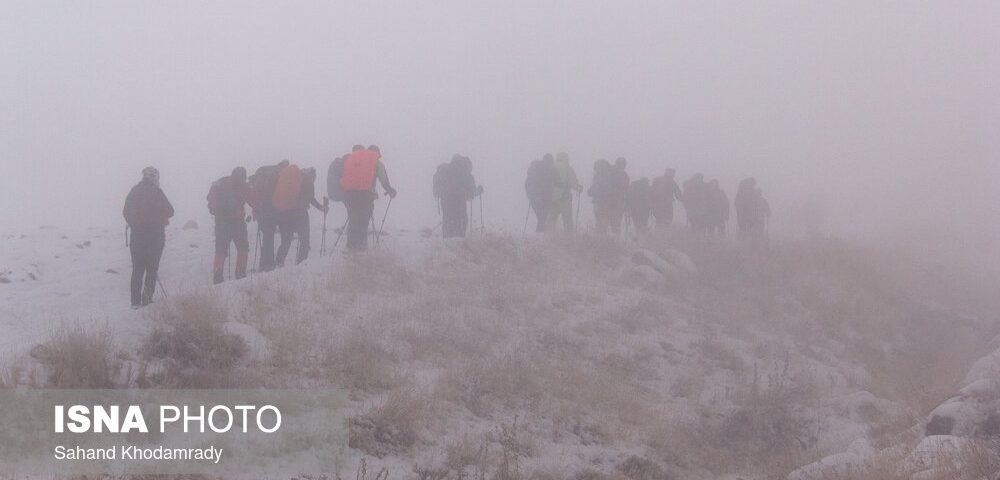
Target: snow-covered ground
[552, 357]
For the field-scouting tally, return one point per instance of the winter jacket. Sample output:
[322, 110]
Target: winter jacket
[146, 207]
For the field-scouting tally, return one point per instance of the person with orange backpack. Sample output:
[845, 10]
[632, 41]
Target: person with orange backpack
[226, 202]
[361, 168]
[262, 185]
[296, 220]
[285, 200]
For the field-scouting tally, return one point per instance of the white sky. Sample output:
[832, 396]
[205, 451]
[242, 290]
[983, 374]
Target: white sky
[890, 110]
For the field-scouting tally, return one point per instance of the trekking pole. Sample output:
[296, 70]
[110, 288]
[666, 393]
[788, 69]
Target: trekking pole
[162, 290]
[524, 231]
[579, 201]
[322, 243]
[378, 236]
[341, 234]
[482, 219]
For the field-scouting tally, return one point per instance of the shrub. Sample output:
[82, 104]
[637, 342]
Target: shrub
[79, 358]
[194, 348]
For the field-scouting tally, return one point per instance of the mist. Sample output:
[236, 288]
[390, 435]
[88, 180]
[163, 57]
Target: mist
[888, 111]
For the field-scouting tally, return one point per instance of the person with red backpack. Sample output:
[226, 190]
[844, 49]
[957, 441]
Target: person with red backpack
[262, 185]
[361, 168]
[147, 212]
[226, 200]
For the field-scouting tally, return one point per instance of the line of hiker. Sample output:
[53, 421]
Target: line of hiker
[280, 196]
[621, 203]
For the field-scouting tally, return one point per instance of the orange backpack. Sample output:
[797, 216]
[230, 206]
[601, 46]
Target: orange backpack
[286, 193]
[359, 171]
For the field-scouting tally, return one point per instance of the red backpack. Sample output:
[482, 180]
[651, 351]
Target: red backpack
[359, 171]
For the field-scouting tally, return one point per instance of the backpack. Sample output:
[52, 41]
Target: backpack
[540, 180]
[333, 189]
[440, 178]
[286, 191]
[262, 185]
[359, 171]
[223, 197]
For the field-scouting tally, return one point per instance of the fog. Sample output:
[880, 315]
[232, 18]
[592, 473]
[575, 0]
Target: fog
[889, 111]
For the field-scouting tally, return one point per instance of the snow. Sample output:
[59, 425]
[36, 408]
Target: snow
[692, 363]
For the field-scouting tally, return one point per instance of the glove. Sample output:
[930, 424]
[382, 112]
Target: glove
[249, 218]
[391, 192]
[479, 190]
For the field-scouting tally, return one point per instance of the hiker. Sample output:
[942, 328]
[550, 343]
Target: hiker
[296, 220]
[333, 189]
[457, 187]
[562, 194]
[719, 203]
[696, 202]
[361, 168]
[600, 193]
[539, 186]
[285, 202]
[226, 200]
[663, 192]
[639, 208]
[752, 210]
[147, 213]
[262, 185]
[619, 183]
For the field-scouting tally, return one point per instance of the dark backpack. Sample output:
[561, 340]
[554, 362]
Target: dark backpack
[223, 197]
[262, 185]
[541, 179]
[333, 189]
[440, 178]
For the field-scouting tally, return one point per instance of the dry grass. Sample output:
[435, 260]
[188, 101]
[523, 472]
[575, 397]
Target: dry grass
[497, 328]
[191, 347]
[391, 427]
[78, 357]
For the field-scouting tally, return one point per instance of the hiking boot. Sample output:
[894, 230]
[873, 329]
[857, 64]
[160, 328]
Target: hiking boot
[217, 278]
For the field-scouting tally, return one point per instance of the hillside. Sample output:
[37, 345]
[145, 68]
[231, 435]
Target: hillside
[562, 357]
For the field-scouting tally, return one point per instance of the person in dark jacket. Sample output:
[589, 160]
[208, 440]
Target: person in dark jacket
[664, 191]
[697, 202]
[719, 209]
[298, 219]
[147, 212]
[457, 188]
[639, 208]
[226, 202]
[262, 185]
[538, 185]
